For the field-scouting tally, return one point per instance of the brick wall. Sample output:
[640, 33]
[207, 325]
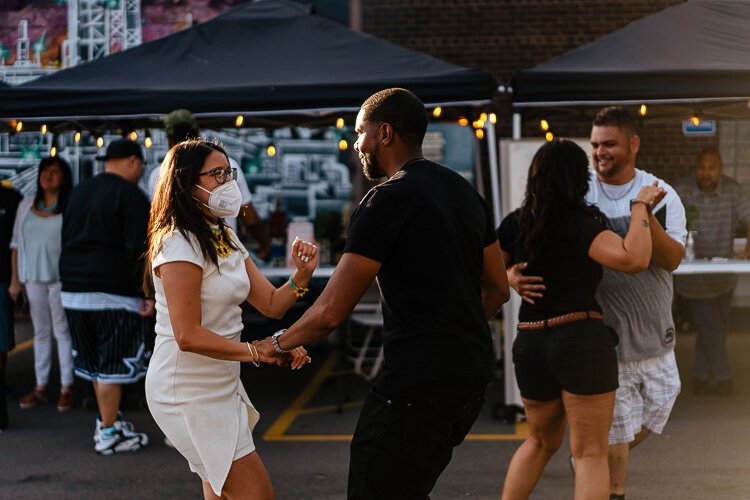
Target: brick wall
[503, 36]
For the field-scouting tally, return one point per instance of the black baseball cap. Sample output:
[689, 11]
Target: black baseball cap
[122, 148]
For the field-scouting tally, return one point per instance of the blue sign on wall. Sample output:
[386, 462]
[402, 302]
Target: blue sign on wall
[704, 128]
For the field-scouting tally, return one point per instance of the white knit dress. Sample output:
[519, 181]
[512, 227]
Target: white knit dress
[198, 401]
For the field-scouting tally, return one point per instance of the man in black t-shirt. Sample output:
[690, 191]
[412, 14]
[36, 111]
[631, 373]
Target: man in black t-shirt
[429, 238]
[9, 200]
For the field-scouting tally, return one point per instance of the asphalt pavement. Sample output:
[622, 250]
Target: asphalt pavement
[307, 417]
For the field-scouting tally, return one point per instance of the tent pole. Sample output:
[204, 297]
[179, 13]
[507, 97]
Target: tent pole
[516, 126]
[494, 170]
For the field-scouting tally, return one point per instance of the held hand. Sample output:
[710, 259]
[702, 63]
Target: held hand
[651, 195]
[305, 255]
[15, 290]
[297, 357]
[528, 287]
[148, 308]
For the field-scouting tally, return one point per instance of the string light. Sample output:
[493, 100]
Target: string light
[99, 142]
[148, 142]
[544, 125]
[480, 133]
[239, 121]
[133, 136]
[53, 152]
[271, 150]
[643, 110]
[463, 122]
[483, 117]
[437, 112]
[549, 136]
[44, 129]
[493, 118]
[695, 119]
[343, 145]
[339, 122]
[77, 136]
[19, 126]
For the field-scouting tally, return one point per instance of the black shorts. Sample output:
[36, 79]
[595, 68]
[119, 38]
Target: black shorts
[109, 346]
[578, 357]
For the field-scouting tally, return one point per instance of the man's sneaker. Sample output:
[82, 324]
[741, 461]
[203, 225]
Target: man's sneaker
[119, 438]
[34, 398]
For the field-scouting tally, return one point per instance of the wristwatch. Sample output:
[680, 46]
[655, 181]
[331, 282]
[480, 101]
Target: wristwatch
[275, 342]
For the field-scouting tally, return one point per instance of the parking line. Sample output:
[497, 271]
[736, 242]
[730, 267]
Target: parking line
[277, 431]
[21, 347]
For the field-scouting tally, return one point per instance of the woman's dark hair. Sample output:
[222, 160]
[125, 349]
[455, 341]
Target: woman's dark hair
[557, 184]
[65, 187]
[174, 208]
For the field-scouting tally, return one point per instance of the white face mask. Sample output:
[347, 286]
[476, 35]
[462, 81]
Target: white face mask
[225, 200]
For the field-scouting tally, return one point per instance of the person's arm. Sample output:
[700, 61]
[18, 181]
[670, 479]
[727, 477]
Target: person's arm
[633, 253]
[745, 254]
[274, 302]
[15, 288]
[667, 253]
[182, 291]
[495, 290]
[351, 279]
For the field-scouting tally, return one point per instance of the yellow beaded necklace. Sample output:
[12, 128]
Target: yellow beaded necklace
[220, 243]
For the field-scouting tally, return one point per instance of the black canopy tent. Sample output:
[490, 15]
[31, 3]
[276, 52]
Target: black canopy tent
[692, 56]
[268, 58]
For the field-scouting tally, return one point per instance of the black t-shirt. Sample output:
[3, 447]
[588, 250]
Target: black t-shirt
[9, 200]
[104, 237]
[428, 228]
[570, 275]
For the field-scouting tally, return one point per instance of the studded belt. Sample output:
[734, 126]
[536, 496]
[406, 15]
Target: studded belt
[559, 320]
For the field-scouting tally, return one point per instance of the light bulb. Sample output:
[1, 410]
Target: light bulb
[549, 136]
[339, 122]
[239, 121]
[271, 150]
[437, 112]
[544, 125]
[493, 118]
[480, 133]
[643, 110]
[44, 128]
[99, 142]
[77, 136]
[148, 142]
[343, 145]
[463, 122]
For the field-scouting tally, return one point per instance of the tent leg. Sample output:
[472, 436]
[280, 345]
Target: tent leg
[494, 170]
[516, 126]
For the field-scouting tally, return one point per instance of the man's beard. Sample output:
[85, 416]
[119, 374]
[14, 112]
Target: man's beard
[371, 167]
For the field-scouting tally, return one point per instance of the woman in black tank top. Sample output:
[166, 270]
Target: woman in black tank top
[564, 356]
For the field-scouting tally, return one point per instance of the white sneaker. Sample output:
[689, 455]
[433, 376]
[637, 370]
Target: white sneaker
[119, 438]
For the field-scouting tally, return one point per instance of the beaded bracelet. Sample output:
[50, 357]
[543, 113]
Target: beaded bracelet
[299, 291]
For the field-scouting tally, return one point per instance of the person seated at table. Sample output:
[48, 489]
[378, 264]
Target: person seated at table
[564, 355]
[722, 206]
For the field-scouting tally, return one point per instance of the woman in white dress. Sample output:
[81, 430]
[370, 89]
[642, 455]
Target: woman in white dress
[200, 275]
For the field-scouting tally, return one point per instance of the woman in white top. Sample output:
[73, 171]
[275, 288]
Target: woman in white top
[200, 275]
[35, 254]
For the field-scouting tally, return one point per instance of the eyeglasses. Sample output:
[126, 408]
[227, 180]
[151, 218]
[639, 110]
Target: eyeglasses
[222, 174]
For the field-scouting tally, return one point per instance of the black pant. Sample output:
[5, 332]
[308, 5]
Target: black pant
[400, 449]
